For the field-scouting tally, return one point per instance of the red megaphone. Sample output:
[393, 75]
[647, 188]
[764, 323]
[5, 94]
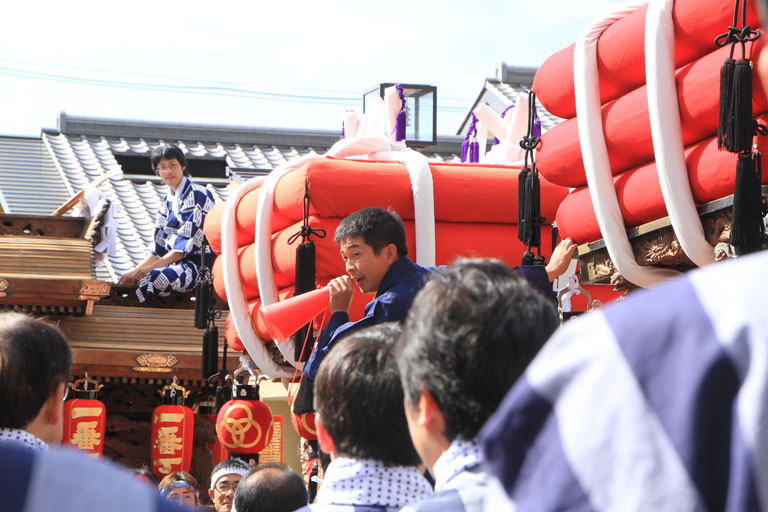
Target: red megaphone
[283, 318]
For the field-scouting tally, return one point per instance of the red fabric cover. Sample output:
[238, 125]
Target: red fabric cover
[627, 126]
[620, 53]
[463, 193]
[245, 221]
[453, 239]
[711, 173]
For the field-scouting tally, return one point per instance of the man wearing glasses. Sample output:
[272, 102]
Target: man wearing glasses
[172, 260]
[224, 480]
[35, 361]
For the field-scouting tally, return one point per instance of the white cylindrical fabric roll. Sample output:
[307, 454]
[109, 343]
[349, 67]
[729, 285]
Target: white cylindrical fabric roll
[265, 274]
[423, 204]
[595, 154]
[492, 120]
[351, 123]
[667, 135]
[238, 308]
[518, 128]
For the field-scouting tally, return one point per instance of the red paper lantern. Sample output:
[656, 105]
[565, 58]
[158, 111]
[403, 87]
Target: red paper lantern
[172, 435]
[84, 422]
[304, 424]
[244, 426]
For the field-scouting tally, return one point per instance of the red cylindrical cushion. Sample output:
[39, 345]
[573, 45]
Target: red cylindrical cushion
[453, 239]
[711, 172]
[627, 126]
[621, 57]
[245, 221]
[463, 193]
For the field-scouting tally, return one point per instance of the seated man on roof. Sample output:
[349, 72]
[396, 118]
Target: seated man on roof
[174, 254]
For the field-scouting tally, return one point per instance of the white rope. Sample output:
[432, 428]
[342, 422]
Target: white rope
[595, 154]
[423, 203]
[265, 274]
[238, 308]
[667, 135]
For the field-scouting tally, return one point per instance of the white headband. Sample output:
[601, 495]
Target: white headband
[231, 470]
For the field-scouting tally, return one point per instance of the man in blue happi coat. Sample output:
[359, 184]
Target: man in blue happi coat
[372, 244]
[171, 264]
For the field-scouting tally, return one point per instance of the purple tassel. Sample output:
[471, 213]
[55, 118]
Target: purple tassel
[474, 151]
[536, 121]
[342, 130]
[496, 139]
[400, 122]
[470, 148]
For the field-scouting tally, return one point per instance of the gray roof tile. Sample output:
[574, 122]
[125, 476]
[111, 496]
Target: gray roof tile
[29, 180]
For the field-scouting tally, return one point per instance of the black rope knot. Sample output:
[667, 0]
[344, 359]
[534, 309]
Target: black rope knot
[306, 230]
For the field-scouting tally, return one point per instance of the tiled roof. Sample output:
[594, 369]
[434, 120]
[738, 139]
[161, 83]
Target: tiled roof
[86, 148]
[29, 181]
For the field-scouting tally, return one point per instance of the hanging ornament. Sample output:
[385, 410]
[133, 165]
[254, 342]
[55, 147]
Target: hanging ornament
[85, 418]
[304, 424]
[244, 424]
[173, 426]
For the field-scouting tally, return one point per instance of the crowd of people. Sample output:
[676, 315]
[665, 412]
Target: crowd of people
[457, 391]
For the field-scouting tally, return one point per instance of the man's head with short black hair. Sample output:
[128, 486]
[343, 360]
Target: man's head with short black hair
[359, 399]
[377, 227]
[225, 478]
[35, 361]
[271, 488]
[471, 332]
[168, 152]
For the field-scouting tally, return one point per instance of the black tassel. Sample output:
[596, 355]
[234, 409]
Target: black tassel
[223, 395]
[305, 397]
[726, 91]
[523, 224]
[305, 282]
[533, 191]
[205, 355]
[747, 228]
[312, 487]
[213, 351]
[742, 126]
[202, 302]
[555, 234]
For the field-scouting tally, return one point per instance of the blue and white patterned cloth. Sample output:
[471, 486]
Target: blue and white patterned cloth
[65, 480]
[461, 480]
[22, 438]
[179, 228]
[351, 484]
[659, 402]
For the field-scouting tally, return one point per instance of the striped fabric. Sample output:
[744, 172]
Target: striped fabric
[65, 480]
[656, 403]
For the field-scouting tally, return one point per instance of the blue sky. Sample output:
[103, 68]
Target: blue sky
[295, 64]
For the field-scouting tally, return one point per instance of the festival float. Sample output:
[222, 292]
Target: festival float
[641, 173]
[264, 231]
[649, 148]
